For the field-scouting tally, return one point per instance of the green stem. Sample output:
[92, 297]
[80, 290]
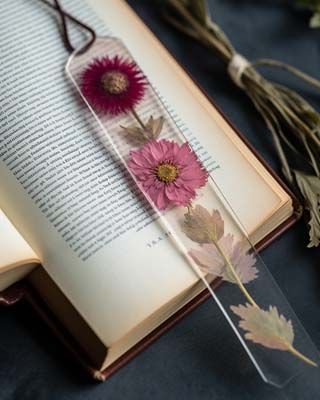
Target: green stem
[235, 275]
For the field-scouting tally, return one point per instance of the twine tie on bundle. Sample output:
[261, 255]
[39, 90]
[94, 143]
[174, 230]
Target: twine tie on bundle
[236, 67]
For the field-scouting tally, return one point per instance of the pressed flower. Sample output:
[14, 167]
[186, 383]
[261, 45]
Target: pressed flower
[113, 85]
[269, 328]
[211, 261]
[201, 226]
[167, 172]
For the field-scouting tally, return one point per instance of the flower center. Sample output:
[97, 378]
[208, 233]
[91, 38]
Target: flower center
[167, 172]
[115, 82]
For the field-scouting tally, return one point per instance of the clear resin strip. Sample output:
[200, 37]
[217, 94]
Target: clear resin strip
[187, 202]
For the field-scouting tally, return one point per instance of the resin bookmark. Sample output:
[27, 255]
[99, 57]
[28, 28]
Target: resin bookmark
[188, 203]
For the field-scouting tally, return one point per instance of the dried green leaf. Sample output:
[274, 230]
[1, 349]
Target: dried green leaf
[265, 327]
[211, 261]
[202, 227]
[309, 186]
[313, 5]
[315, 20]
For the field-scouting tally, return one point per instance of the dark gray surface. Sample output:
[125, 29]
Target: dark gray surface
[189, 361]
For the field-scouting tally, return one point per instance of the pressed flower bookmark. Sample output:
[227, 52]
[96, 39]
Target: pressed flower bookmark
[187, 202]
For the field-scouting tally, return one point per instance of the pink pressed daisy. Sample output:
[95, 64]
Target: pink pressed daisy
[113, 85]
[167, 172]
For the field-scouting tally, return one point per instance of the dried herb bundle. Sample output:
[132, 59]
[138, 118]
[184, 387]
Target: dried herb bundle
[294, 124]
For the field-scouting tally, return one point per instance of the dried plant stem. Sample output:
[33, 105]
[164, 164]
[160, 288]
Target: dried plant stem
[271, 122]
[138, 119]
[289, 68]
[234, 274]
[299, 355]
[143, 132]
[198, 30]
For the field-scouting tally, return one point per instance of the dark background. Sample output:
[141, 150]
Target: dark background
[190, 362]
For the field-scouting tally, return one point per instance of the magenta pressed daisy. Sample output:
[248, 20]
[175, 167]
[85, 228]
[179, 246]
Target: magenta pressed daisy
[113, 85]
[168, 173]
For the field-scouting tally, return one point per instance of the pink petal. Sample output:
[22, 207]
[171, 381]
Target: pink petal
[183, 153]
[160, 149]
[138, 158]
[161, 201]
[172, 193]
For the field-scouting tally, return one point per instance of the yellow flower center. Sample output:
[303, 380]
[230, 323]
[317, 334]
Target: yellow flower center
[167, 172]
[115, 82]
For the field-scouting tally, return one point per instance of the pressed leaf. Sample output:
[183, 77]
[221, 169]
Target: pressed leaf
[211, 261]
[310, 188]
[265, 327]
[134, 133]
[202, 227]
[151, 130]
[154, 127]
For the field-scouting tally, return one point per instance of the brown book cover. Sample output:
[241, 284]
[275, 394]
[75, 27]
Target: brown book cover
[23, 291]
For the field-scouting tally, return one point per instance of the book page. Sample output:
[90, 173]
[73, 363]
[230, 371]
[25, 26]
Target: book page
[66, 193]
[15, 250]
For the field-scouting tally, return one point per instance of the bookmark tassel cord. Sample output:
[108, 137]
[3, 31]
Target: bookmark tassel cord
[65, 32]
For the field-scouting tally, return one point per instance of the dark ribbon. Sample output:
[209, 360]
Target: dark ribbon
[65, 33]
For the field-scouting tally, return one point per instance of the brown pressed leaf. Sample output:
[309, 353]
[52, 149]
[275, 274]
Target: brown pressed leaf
[202, 227]
[310, 188]
[211, 261]
[154, 127]
[151, 130]
[135, 133]
[265, 327]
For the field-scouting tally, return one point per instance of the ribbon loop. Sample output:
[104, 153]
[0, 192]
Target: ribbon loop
[64, 16]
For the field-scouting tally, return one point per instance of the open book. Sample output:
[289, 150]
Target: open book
[111, 277]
